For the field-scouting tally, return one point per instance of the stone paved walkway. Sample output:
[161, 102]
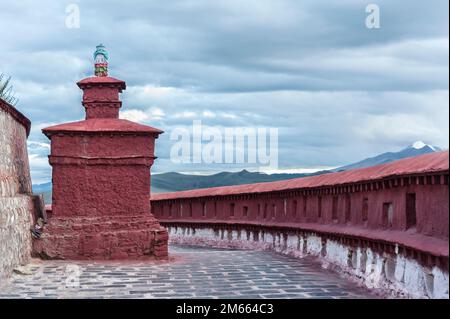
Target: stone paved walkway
[195, 273]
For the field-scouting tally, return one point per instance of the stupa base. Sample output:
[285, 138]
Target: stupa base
[102, 238]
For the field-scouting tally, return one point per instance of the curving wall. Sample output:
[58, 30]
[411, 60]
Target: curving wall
[385, 226]
[16, 202]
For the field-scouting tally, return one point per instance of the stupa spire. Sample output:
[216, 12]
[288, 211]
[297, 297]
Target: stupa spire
[101, 61]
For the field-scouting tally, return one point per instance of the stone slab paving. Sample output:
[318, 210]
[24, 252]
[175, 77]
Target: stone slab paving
[193, 273]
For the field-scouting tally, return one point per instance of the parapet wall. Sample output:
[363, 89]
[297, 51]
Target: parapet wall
[386, 227]
[16, 202]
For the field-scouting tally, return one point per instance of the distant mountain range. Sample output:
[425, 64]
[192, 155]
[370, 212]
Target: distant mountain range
[418, 148]
[170, 182]
[177, 182]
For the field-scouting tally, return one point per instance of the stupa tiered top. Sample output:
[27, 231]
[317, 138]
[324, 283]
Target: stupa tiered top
[101, 60]
[101, 101]
[101, 179]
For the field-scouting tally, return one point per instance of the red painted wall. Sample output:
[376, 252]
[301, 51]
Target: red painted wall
[431, 208]
[100, 190]
[337, 209]
[103, 145]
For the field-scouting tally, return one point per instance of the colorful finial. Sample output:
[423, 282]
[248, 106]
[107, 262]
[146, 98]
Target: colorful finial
[101, 61]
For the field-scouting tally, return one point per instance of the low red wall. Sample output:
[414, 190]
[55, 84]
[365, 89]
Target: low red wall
[411, 212]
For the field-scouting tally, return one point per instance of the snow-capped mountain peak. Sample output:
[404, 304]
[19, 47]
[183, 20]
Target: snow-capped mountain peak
[418, 145]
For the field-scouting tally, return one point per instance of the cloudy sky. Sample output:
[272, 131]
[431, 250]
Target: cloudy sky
[337, 91]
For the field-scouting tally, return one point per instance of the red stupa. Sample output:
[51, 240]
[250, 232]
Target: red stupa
[101, 180]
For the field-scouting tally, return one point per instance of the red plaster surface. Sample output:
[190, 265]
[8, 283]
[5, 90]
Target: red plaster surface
[100, 94]
[105, 111]
[101, 181]
[98, 81]
[102, 125]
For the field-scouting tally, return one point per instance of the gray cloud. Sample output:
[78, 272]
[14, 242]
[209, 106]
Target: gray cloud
[337, 91]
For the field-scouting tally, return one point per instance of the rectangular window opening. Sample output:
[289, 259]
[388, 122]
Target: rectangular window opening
[294, 208]
[348, 208]
[232, 206]
[304, 205]
[411, 214]
[319, 206]
[334, 208]
[245, 211]
[388, 214]
[203, 209]
[365, 209]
